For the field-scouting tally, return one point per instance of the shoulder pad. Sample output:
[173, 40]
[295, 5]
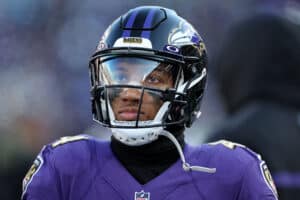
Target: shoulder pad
[233, 145]
[68, 139]
[228, 144]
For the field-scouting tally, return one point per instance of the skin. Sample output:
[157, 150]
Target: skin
[125, 105]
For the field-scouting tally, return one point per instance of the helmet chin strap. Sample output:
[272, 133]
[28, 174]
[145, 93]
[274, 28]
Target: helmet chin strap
[133, 136]
[186, 166]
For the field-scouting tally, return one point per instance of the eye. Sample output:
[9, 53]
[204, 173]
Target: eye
[152, 79]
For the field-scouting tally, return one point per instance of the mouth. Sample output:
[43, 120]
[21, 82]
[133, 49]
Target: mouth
[128, 114]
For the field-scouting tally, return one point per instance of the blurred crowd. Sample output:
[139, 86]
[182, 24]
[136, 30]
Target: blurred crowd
[258, 76]
[44, 82]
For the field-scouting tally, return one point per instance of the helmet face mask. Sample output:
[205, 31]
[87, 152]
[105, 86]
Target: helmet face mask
[147, 77]
[133, 90]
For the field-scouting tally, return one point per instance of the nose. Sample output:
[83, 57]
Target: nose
[131, 94]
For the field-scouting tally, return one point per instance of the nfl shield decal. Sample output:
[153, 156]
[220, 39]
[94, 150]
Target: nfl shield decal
[142, 195]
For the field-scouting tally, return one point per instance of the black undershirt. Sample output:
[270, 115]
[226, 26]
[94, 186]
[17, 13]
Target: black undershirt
[148, 161]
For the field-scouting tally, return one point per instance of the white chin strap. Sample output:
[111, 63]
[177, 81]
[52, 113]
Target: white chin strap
[186, 166]
[136, 136]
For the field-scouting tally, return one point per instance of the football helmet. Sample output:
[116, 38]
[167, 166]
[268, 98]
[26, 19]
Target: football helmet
[152, 52]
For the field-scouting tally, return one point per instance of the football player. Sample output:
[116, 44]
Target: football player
[147, 76]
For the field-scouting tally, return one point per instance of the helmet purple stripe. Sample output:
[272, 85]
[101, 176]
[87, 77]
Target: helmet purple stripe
[126, 33]
[147, 24]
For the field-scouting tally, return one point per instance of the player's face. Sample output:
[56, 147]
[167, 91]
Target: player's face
[125, 102]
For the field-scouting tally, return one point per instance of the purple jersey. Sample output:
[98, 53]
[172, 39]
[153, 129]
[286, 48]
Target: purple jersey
[84, 168]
